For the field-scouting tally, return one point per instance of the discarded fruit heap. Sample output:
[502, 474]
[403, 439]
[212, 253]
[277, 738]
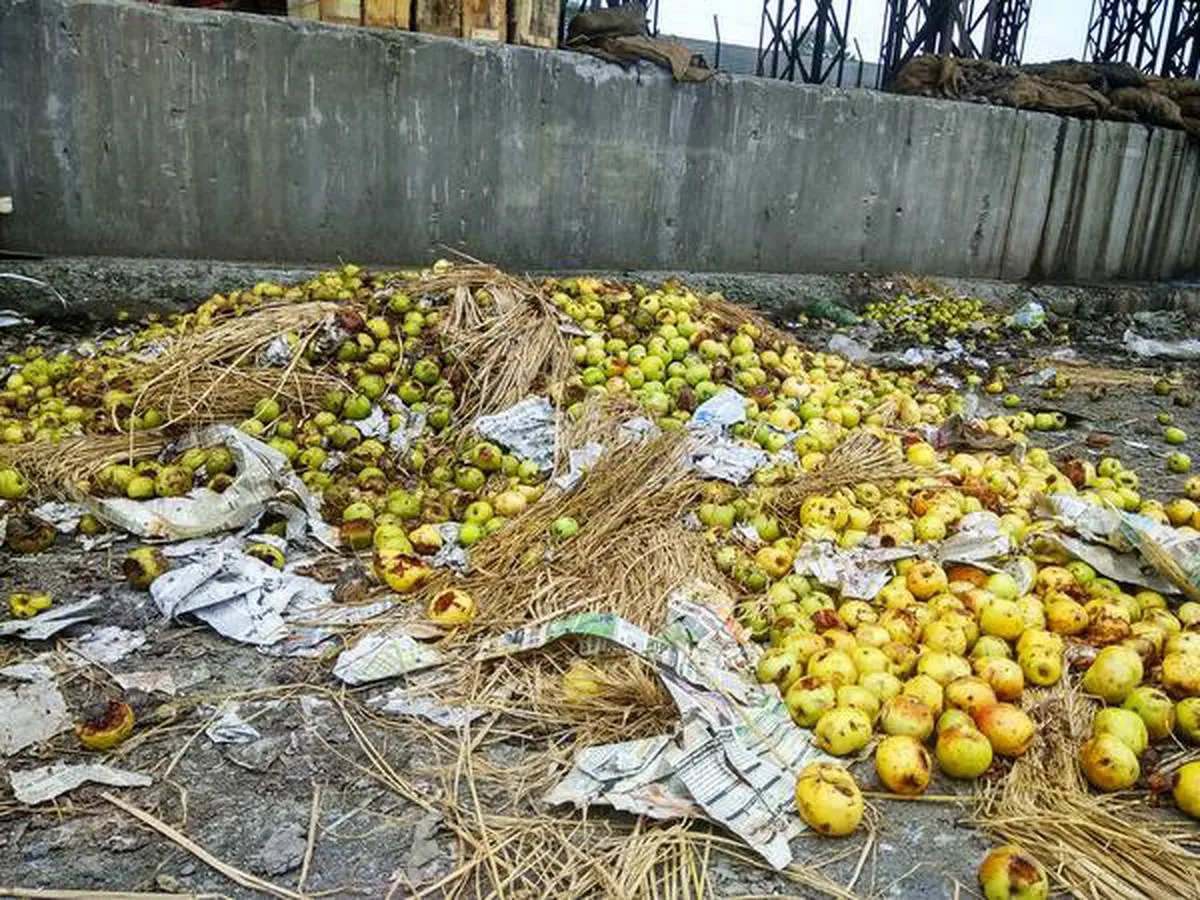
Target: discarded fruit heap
[333, 373]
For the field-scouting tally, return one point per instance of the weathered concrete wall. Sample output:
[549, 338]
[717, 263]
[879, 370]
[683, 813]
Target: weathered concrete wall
[129, 129]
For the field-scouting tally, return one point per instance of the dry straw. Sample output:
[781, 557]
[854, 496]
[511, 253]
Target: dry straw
[1094, 845]
[504, 333]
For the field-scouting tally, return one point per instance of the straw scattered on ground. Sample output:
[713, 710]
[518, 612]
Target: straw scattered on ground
[1093, 845]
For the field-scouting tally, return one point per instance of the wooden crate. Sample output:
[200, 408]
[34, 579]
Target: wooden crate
[388, 14]
[534, 23]
[443, 17]
[342, 12]
[485, 20]
[338, 12]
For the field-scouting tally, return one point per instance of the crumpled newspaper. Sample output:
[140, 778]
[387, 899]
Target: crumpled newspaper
[386, 653]
[1170, 553]
[33, 709]
[401, 702]
[239, 596]
[861, 572]
[526, 428]
[735, 758]
[263, 474]
[52, 621]
[33, 786]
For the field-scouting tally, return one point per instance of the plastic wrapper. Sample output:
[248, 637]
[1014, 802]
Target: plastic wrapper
[1149, 348]
[721, 411]
[1027, 316]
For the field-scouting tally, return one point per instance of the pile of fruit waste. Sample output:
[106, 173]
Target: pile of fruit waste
[931, 672]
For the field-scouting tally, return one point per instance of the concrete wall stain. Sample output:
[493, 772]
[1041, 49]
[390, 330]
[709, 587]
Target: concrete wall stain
[133, 129]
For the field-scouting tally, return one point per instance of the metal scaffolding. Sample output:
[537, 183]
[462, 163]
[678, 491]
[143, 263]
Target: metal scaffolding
[1181, 43]
[812, 46]
[989, 29]
[1128, 31]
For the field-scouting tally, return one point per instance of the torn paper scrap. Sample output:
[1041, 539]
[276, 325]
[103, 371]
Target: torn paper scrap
[151, 681]
[398, 702]
[107, 644]
[722, 410]
[33, 786]
[32, 710]
[386, 653]
[230, 728]
[52, 621]
[239, 596]
[579, 461]
[737, 753]
[526, 428]
[263, 474]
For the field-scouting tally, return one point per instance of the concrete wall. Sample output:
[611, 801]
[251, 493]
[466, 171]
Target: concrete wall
[131, 129]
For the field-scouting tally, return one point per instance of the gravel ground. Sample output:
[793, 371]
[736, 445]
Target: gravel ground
[252, 804]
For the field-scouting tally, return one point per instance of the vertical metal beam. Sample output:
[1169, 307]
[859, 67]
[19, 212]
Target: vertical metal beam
[1181, 41]
[1128, 31]
[973, 29]
[809, 44]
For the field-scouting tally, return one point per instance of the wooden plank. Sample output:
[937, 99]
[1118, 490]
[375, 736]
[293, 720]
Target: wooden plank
[388, 14]
[485, 20]
[533, 22]
[304, 9]
[439, 17]
[342, 12]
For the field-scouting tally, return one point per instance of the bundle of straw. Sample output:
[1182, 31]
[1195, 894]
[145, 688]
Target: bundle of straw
[211, 374]
[54, 467]
[861, 457]
[507, 337]
[632, 549]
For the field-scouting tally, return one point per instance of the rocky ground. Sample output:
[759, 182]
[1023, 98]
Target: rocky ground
[325, 798]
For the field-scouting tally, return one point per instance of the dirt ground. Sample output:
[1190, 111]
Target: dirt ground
[333, 799]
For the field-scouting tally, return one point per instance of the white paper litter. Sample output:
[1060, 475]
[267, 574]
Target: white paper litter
[49, 623]
[737, 754]
[399, 702]
[230, 728]
[401, 439]
[263, 474]
[526, 428]
[386, 653]
[32, 710]
[579, 461]
[63, 516]
[107, 644]
[33, 786]
[239, 596]
[1148, 348]
[722, 410]
[150, 681]
[727, 460]
[1172, 554]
